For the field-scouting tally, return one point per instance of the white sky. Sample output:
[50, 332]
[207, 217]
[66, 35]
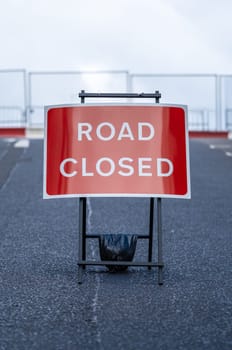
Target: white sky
[142, 36]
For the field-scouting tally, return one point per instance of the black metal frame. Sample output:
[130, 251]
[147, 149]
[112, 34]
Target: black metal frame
[83, 236]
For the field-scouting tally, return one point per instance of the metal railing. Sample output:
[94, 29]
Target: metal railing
[24, 94]
[228, 118]
[12, 115]
[198, 119]
[13, 97]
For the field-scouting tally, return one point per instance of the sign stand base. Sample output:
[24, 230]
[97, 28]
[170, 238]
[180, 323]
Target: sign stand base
[83, 236]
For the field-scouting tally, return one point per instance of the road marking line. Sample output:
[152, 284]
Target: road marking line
[219, 146]
[229, 154]
[10, 139]
[24, 143]
[95, 300]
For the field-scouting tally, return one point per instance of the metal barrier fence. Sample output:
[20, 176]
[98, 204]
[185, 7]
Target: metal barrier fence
[228, 118]
[13, 99]
[23, 95]
[51, 88]
[226, 100]
[198, 91]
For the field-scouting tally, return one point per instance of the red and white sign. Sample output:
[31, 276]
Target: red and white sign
[116, 150]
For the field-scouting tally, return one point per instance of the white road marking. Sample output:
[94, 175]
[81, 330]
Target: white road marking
[220, 146]
[24, 143]
[226, 148]
[10, 140]
[97, 277]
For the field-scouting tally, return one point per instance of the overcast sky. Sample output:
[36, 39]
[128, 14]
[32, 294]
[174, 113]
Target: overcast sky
[142, 36]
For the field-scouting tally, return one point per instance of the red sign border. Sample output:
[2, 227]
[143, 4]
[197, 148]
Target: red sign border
[185, 196]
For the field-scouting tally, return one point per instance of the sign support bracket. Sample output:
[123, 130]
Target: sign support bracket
[82, 262]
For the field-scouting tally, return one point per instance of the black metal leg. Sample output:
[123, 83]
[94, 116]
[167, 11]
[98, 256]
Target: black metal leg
[151, 223]
[160, 242]
[82, 233]
[80, 268]
[79, 277]
[84, 230]
[82, 213]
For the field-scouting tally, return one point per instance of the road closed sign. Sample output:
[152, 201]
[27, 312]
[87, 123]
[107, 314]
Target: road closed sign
[116, 150]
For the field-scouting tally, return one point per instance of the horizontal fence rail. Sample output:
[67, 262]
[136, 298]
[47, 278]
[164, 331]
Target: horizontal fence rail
[24, 94]
[12, 115]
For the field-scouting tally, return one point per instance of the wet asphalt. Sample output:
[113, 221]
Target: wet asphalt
[43, 307]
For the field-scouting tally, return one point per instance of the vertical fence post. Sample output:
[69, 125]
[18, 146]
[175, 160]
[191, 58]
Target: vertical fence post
[218, 103]
[29, 107]
[25, 114]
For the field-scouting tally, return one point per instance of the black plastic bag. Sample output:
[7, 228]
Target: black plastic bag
[117, 247]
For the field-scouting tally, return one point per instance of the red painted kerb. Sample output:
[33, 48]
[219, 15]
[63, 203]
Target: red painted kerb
[12, 132]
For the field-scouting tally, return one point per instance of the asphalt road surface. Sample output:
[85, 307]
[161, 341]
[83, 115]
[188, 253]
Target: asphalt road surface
[43, 307]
